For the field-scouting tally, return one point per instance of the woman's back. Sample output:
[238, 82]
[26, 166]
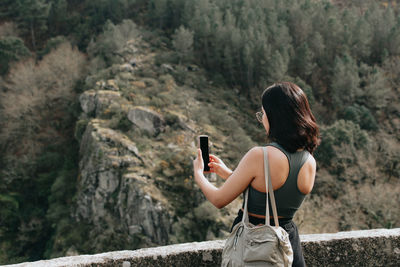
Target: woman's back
[288, 120]
[292, 176]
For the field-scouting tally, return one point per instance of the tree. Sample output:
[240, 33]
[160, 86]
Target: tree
[109, 45]
[35, 95]
[382, 23]
[11, 49]
[58, 18]
[158, 12]
[375, 89]
[303, 62]
[361, 116]
[344, 82]
[182, 41]
[35, 119]
[362, 37]
[32, 18]
[278, 66]
[342, 141]
[249, 65]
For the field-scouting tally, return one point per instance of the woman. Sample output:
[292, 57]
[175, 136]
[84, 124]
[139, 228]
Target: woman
[291, 127]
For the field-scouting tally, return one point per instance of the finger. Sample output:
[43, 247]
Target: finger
[213, 164]
[213, 158]
[199, 154]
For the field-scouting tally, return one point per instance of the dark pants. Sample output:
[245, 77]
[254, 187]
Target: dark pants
[289, 226]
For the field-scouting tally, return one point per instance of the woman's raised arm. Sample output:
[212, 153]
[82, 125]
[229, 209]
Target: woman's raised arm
[238, 181]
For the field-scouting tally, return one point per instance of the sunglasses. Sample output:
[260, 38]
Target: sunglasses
[259, 116]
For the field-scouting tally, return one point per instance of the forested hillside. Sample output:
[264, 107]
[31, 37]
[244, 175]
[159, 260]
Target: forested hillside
[195, 67]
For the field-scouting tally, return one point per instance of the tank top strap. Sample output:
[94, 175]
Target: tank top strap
[296, 159]
[278, 146]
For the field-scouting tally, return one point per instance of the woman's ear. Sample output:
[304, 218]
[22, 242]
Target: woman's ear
[266, 122]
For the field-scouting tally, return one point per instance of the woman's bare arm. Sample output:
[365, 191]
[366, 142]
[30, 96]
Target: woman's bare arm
[237, 182]
[218, 166]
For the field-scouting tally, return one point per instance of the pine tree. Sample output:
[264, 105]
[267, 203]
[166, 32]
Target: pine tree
[375, 90]
[278, 66]
[344, 82]
[58, 17]
[11, 49]
[32, 18]
[158, 12]
[183, 43]
[303, 63]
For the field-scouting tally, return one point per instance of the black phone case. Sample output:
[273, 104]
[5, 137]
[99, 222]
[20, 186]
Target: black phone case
[204, 152]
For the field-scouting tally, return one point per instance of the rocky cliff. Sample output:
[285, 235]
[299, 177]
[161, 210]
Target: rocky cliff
[136, 145]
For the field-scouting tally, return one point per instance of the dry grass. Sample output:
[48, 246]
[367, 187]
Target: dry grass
[365, 207]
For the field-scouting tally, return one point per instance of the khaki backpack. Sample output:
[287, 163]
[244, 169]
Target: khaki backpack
[262, 245]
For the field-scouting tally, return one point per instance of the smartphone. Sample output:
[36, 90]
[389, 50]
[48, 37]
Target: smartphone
[203, 141]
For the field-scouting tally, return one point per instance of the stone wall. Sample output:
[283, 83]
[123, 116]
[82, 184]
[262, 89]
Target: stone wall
[378, 247]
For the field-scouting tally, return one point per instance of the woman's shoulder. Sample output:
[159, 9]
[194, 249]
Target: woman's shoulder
[275, 155]
[311, 162]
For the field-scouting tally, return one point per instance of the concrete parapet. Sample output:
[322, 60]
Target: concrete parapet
[378, 247]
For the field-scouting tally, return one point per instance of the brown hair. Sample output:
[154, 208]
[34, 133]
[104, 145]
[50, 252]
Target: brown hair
[291, 121]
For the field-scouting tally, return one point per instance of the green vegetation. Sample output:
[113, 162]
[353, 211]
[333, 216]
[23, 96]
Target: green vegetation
[11, 49]
[212, 60]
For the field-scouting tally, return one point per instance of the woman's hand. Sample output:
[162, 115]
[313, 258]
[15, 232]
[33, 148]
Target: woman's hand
[218, 166]
[198, 164]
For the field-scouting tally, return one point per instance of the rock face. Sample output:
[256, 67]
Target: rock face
[135, 186]
[146, 119]
[117, 196]
[98, 101]
[113, 189]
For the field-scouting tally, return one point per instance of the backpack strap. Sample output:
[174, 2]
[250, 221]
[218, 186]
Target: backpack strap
[268, 189]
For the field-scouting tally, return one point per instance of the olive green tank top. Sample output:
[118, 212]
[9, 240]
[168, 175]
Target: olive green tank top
[288, 197]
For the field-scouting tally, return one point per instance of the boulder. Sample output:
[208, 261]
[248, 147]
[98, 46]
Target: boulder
[126, 68]
[112, 85]
[87, 100]
[98, 101]
[104, 98]
[139, 84]
[167, 67]
[146, 119]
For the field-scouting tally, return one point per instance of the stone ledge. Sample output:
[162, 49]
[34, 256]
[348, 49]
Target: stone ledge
[378, 247]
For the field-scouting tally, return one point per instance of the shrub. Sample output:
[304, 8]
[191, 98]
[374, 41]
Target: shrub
[80, 127]
[389, 156]
[52, 44]
[361, 116]
[340, 144]
[374, 206]
[110, 44]
[171, 120]
[11, 49]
